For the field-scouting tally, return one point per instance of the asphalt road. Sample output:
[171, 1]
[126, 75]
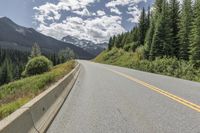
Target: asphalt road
[110, 99]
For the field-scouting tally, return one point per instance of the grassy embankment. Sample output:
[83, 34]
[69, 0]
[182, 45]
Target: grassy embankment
[17, 93]
[165, 66]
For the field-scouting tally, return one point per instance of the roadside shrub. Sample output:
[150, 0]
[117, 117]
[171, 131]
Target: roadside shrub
[166, 65]
[37, 65]
[130, 47]
[127, 47]
[170, 67]
[66, 55]
[139, 53]
[134, 46]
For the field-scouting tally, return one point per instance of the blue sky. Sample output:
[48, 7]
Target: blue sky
[94, 20]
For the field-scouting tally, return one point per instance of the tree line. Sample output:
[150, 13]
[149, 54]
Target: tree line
[13, 62]
[169, 29]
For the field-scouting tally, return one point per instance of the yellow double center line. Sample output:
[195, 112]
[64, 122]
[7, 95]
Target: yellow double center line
[156, 89]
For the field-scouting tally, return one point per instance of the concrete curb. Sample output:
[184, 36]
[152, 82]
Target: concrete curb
[37, 115]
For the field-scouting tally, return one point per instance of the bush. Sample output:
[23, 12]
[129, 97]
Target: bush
[66, 55]
[37, 65]
[139, 53]
[134, 46]
[170, 67]
[166, 65]
[127, 47]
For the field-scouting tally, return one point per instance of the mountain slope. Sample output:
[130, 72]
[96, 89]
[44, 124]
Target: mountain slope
[22, 38]
[87, 45]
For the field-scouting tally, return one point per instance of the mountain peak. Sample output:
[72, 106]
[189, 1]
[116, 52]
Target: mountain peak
[22, 38]
[87, 45]
[6, 19]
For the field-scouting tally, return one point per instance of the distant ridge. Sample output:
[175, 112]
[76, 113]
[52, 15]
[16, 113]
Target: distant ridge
[22, 38]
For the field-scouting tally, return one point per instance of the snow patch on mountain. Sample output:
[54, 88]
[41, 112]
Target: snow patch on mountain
[87, 45]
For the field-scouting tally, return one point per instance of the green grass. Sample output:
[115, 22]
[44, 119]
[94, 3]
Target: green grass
[6, 109]
[115, 57]
[165, 66]
[17, 93]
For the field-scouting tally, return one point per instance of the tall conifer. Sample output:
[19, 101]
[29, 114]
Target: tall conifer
[185, 29]
[174, 21]
[161, 44]
[195, 36]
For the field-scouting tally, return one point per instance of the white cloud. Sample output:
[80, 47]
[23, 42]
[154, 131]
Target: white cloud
[115, 3]
[82, 12]
[85, 24]
[100, 13]
[135, 12]
[97, 30]
[115, 10]
[48, 11]
[77, 4]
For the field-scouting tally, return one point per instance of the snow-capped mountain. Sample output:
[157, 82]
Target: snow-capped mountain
[87, 45]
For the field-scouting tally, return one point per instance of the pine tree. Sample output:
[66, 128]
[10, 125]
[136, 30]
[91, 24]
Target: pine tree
[148, 18]
[129, 38]
[161, 44]
[17, 72]
[118, 41]
[195, 36]
[149, 38]
[1, 76]
[113, 41]
[174, 21]
[154, 16]
[142, 27]
[110, 45]
[6, 72]
[35, 51]
[54, 59]
[158, 8]
[185, 29]
[124, 39]
[135, 34]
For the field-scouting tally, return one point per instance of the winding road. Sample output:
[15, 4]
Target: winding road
[110, 99]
